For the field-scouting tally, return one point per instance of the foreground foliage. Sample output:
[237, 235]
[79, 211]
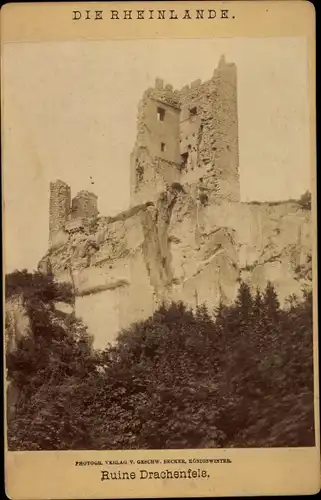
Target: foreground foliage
[181, 379]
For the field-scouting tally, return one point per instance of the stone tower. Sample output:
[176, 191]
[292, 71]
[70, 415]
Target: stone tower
[155, 161]
[188, 136]
[225, 123]
[84, 205]
[59, 209]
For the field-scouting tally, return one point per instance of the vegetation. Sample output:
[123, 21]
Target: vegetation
[203, 198]
[180, 379]
[304, 201]
[178, 187]
[139, 173]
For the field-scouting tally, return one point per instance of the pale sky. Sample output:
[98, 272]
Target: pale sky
[70, 113]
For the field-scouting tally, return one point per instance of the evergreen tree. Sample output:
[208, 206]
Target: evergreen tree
[258, 304]
[271, 302]
[179, 379]
[244, 301]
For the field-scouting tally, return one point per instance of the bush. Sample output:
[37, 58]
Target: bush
[203, 198]
[178, 187]
[305, 201]
[241, 377]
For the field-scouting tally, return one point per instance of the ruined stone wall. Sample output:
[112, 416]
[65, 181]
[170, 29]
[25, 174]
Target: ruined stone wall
[155, 161]
[196, 114]
[225, 124]
[189, 242]
[68, 216]
[59, 209]
[195, 132]
[162, 126]
[191, 116]
[209, 135]
[153, 175]
[84, 205]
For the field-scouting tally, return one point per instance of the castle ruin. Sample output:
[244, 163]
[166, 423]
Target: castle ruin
[186, 236]
[187, 137]
[68, 215]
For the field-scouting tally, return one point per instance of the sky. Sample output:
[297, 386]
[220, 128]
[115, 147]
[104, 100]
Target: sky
[70, 108]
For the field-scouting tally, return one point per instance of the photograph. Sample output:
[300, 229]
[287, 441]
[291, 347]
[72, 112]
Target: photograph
[158, 244]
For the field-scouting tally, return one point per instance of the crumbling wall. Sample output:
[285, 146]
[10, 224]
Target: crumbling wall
[66, 216]
[191, 115]
[59, 210]
[84, 204]
[155, 161]
[209, 135]
[197, 148]
[225, 125]
[194, 131]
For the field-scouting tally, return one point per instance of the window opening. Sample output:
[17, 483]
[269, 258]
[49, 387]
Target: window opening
[184, 159]
[160, 114]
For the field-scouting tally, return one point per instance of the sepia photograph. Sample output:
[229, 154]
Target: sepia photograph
[158, 245]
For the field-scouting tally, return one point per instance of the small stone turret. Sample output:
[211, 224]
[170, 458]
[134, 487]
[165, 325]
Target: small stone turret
[84, 205]
[66, 215]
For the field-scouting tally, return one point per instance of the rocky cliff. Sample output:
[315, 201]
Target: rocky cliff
[180, 248]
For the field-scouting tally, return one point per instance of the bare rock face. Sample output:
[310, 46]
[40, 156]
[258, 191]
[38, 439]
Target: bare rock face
[187, 236]
[17, 326]
[216, 246]
[179, 248]
[17, 322]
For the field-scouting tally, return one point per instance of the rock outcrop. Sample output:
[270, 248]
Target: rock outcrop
[186, 236]
[179, 248]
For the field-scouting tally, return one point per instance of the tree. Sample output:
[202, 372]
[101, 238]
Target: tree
[266, 376]
[271, 302]
[258, 304]
[244, 302]
[168, 368]
[305, 200]
[46, 365]
[242, 377]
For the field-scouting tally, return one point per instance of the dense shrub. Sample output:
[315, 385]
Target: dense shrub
[242, 377]
[305, 200]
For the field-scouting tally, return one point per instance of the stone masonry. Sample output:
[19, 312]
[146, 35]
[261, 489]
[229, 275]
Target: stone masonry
[66, 215]
[188, 136]
[186, 236]
[59, 209]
